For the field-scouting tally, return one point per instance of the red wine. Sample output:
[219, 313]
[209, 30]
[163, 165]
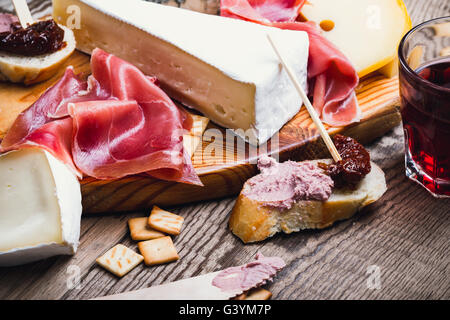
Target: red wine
[426, 121]
[438, 73]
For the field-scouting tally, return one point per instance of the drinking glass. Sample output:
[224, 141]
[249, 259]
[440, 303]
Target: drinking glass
[424, 64]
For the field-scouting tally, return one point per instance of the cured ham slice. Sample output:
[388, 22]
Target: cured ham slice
[121, 146]
[35, 127]
[331, 76]
[117, 123]
[262, 10]
[138, 130]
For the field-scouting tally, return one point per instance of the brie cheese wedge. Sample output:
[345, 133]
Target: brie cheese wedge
[223, 67]
[40, 207]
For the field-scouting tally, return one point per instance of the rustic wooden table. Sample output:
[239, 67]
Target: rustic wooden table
[404, 237]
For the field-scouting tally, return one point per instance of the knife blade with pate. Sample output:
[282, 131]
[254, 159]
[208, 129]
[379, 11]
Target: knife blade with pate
[219, 285]
[196, 288]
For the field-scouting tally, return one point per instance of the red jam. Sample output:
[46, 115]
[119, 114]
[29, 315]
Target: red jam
[353, 167]
[39, 38]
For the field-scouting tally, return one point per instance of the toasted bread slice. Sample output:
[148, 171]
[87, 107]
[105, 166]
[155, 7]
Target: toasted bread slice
[252, 221]
[30, 70]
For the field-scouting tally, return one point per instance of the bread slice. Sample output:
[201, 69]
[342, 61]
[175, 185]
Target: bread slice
[251, 221]
[30, 70]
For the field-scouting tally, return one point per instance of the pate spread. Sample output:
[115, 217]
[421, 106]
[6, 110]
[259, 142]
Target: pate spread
[6, 20]
[280, 185]
[251, 275]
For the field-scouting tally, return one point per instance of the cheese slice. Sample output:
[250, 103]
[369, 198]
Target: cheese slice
[366, 31]
[40, 207]
[223, 67]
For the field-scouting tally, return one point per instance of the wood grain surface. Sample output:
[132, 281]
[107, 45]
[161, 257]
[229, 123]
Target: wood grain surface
[406, 235]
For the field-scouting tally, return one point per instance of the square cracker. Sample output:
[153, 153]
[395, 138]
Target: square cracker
[120, 260]
[165, 221]
[140, 230]
[158, 251]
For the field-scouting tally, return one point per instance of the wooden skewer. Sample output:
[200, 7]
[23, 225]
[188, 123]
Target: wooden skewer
[23, 12]
[312, 112]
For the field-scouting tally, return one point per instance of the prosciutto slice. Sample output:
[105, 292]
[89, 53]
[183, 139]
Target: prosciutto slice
[35, 127]
[262, 10]
[117, 123]
[332, 78]
[139, 129]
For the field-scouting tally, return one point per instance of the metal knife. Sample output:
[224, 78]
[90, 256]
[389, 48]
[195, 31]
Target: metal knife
[196, 288]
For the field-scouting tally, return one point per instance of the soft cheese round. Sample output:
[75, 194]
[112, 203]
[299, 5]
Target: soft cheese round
[41, 207]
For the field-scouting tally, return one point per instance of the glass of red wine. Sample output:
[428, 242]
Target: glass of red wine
[424, 63]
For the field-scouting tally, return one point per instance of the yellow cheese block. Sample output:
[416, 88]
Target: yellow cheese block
[366, 31]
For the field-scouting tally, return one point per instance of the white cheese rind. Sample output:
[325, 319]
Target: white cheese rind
[42, 211]
[223, 67]
[16, 257]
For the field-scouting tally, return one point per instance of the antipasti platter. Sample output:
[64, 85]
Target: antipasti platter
[107, 107]
[223, 165]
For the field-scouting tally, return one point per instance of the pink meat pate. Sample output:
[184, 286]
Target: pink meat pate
[279, 185]
[6, 20]
[236, 280]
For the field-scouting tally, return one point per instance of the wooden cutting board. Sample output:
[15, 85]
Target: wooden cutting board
[223, 166]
